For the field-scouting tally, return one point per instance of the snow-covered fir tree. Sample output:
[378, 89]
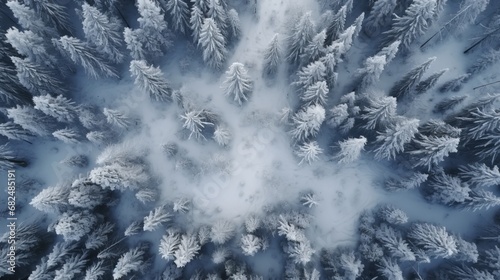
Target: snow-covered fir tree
[52, 199]
[179, 14]
[117, 118]
[337, 25]
[151, 80]
[222, 231]
[73, 225]
[67, 135]
[116, 176]
[131, 261]
[85, 194]
[390, 269]
[59, 107]
[32, 46]
[306, 122]
[315, 50]
[250, 244]
[378, 112]
[435, 240]
[156, 218]
[406, 183]
[233, 19]
[429, 82]
[416, 20]
[311, 74]
[372, 69]
[134, 44]
[36, 78]
[195, 122]
[98, 237]
[308, 152]
[394, 243]
[301, 252]
[32, 120]
[392, 215]
[222, 135]
[380, 15]
[467, 251]
[237, 84]
[186, 250]
[153, 28]
[272, 57]
[454, 84]
[28, 19]
[468, 272]
[407, 84]
[103, 33]
[15, 132]
[315, 94]
[82, 54]
[213, 44]
[300, 37]
[479, 174]
[432, 150]
[218, 12]
[390, 51]
[72, 266]
[395, 137]
[196, 22]
[481, 199]
[168, 245]
[350, 149]
[53, 14]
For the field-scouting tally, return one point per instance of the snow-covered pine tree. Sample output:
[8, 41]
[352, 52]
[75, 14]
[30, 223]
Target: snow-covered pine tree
[85, 194]
[480, 175]
[467, 251]
[99, 236]
[67, 135]
[390, 269]
[131, 261]
[371, 71]
[336, 26]
[168, 245]
[237, 84]
[73, 266]
[29, 44]
[272, 57]
[95, 272]
[407, 84]
[479, 123]
[481, 199]
[350, 149]
[212, 43]
[379, 112]
[234, 23]
[116, 176]
[429, 82]
[179, 14]
[153, 28]
[439, 128]
[186, 250]
[117, 118]
[195, 23]
[390, 51]
[490, 258]
[195, 121]
[103, 33]
[11, 91]
[315, 49]
[15, 132]
[309, 200]
[380, 15]
[316, 94]
[417, 18]
[454, 84]
[306, 122]
[448, 104]
[250, 244]
[301, 35]
[394, 243]
[99, 137]
[434, 240]
[52, 13]
[395, 137]
[484, 61]
[338, 115]
[392, 215]
[447, 189]
[82, 54]
[32, 120]
[60, 108]
[73, 225]
[308, 152]
[156, 218]
[310, 74]
[29, 20]
[222, 135]
[220, 255]
[52, 199]
[37, 78]
[433, 150]
[134, 44]
[151, 80]
[217, 11]
[222, 231]
[301, 252]
[252, 223]
[468, 272]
